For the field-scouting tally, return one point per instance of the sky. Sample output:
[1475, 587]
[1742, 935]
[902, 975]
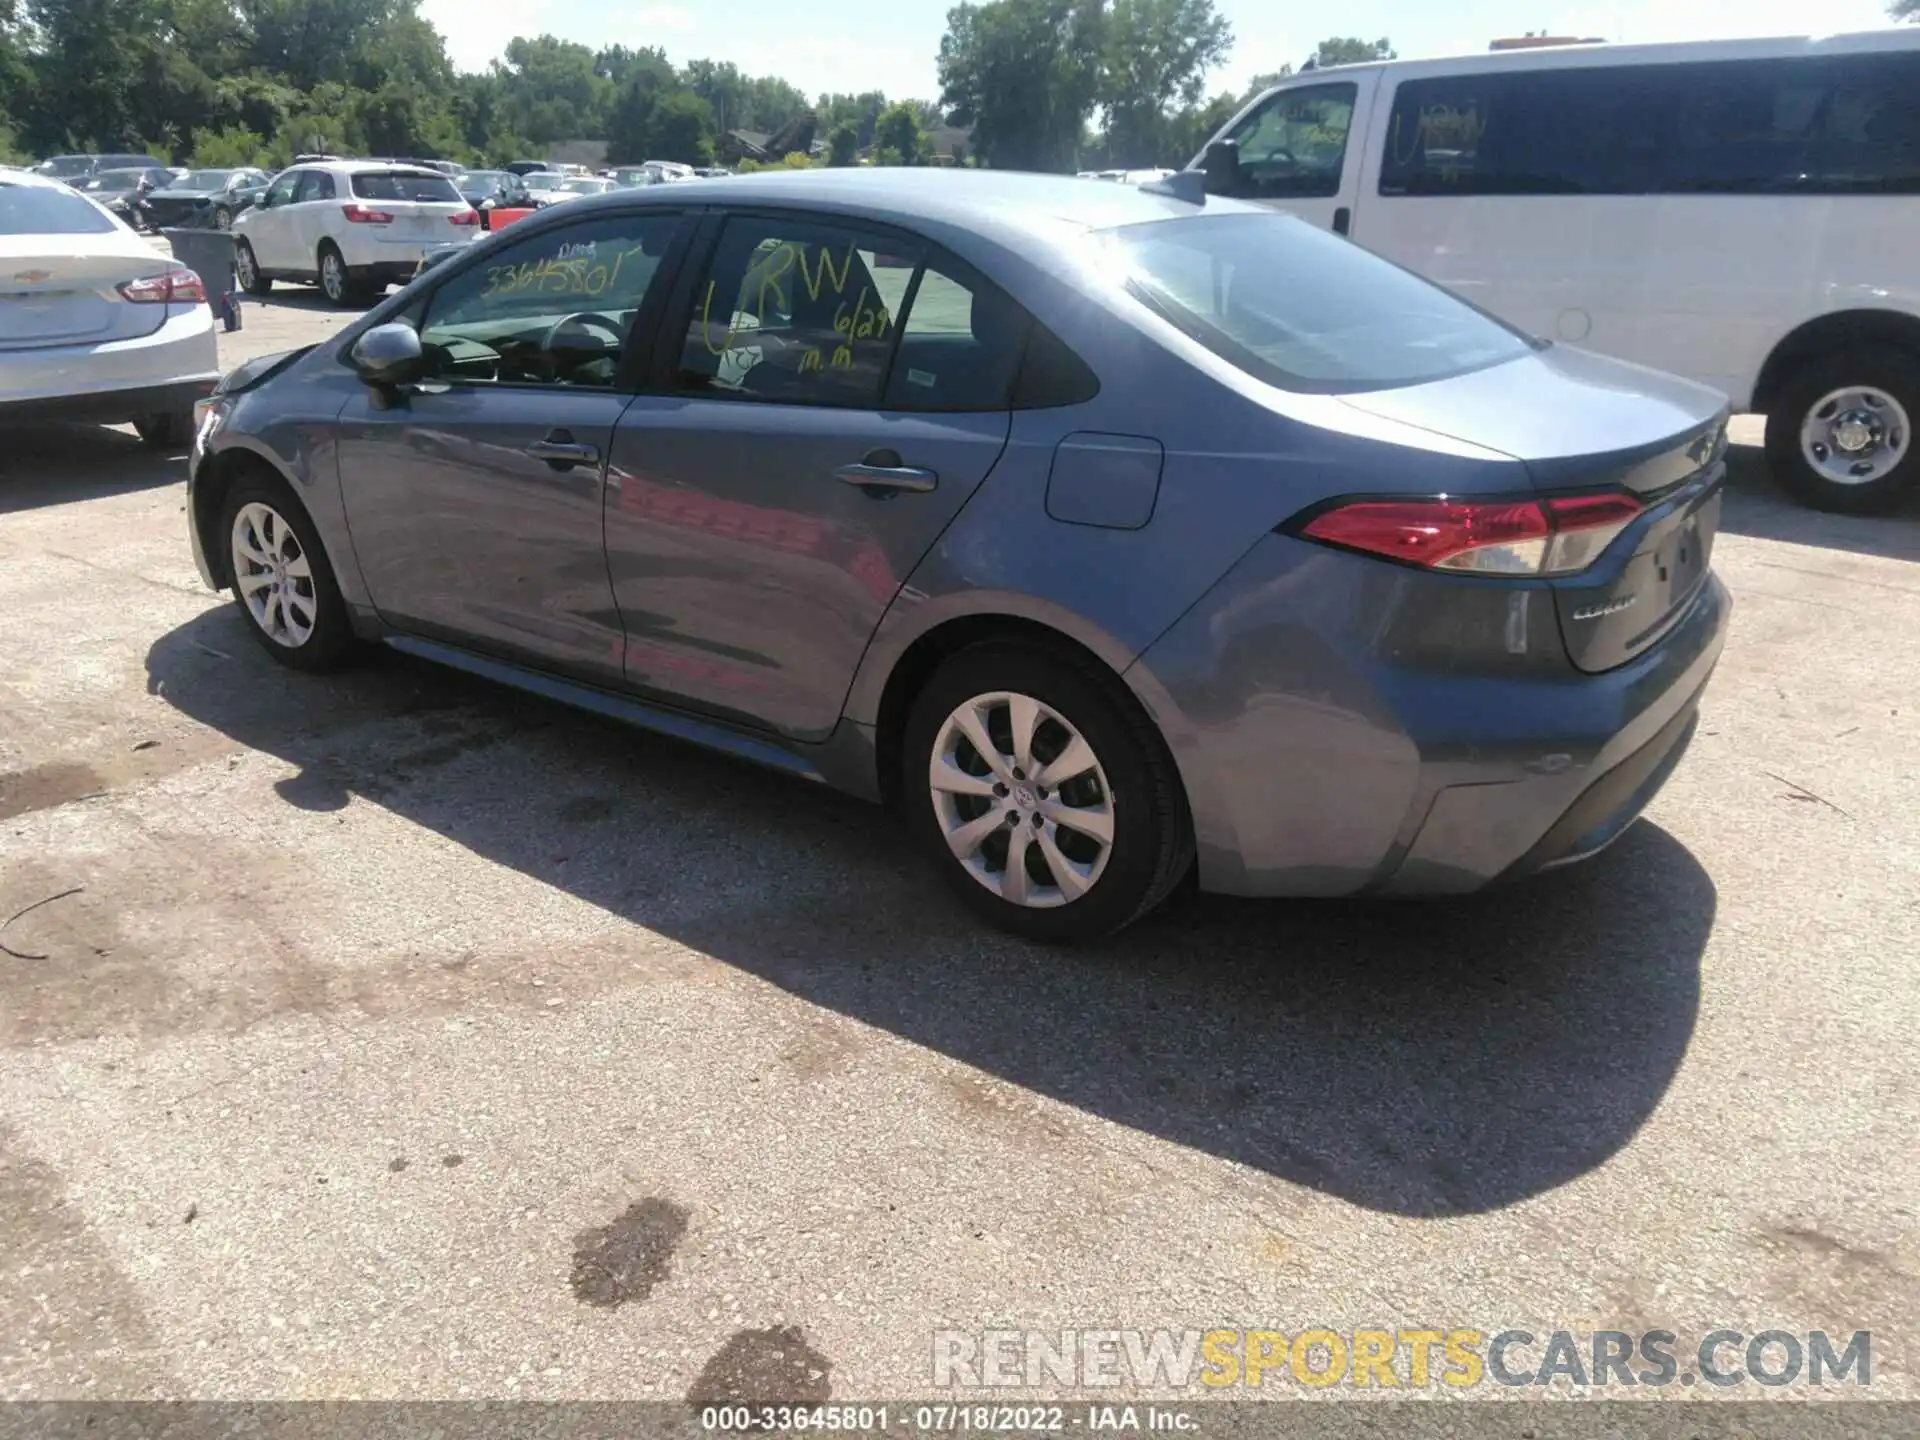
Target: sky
[846, 46]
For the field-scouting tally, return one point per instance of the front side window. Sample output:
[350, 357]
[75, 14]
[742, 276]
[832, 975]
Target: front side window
[796, 311]
[1295, 145]
[1302, 309]
[282, 191]
[553, 309]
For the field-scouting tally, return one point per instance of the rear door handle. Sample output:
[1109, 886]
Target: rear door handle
[1342, 221]
[881, 473]
[561, 452]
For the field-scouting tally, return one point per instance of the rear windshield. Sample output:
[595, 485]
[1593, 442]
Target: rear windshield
[1300, 308]
[399, 185]
[204, 180]
[30, 210]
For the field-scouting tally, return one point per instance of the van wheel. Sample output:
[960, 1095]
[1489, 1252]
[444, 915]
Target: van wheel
[335, 283]
[1840, 434]
[1043, 793]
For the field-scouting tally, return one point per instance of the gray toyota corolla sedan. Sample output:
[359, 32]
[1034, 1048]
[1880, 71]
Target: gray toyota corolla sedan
[1106, 533]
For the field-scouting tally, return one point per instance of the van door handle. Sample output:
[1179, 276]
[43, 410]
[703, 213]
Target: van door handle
[561, 452]
[1342, 220]
[881, 474]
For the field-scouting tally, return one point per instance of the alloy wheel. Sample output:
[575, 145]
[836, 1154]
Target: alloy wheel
[1022, 800]
[333, 276]
[273, 576]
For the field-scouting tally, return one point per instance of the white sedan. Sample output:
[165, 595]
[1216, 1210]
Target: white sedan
[95, 323]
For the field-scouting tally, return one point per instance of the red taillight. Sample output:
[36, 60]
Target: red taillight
[179, 286]
[465, 217]
[1483, 537]
[361, 215]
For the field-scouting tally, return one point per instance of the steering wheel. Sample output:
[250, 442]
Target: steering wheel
[586, 320]
[1279, 152]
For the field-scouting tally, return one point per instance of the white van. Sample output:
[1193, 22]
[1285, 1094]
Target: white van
[1743, 213]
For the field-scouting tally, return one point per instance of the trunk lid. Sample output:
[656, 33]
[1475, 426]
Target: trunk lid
[60, 289]
[1582, 422]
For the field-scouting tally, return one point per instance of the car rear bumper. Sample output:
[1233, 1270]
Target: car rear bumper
[116, 380]
[1345, 726]
[110, 407]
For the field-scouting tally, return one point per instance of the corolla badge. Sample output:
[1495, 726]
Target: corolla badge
[1606, 607]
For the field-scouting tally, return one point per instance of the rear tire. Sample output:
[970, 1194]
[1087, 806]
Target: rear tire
[170, 431]
[1095, 764]
[1840, 431]
[247, 270]
[282, 582]
[335, 283]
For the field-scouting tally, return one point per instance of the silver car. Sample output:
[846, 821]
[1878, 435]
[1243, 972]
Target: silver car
[1113, 534]
[96, 324]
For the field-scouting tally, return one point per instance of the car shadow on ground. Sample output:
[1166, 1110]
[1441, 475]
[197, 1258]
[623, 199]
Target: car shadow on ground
[59, 464]
[1422, 1059]
[1756, 506]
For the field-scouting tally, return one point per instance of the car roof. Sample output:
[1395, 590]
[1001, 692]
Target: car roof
[999, 203]
[360, 167]
[37, 182]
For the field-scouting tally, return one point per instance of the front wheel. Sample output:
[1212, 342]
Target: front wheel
[1043, 793]
[282, 582]
[1840, 432]
[247, 270]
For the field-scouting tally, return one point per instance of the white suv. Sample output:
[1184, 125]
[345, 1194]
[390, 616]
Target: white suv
[351, 226]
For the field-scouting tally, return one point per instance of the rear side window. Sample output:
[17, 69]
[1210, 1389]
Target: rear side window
[960, 345]
[1735, 127]
[1300, 308]
[797, 311]
[29, 210]
[398, 185]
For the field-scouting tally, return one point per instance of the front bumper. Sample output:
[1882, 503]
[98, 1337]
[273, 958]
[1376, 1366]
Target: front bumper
[1345, 727]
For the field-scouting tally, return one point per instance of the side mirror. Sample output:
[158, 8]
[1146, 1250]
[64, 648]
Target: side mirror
[1222, 167]
[388, 356]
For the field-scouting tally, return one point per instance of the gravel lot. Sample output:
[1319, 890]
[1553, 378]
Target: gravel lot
[411, 1038]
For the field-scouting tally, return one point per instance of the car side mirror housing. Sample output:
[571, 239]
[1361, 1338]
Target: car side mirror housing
[1222, 167]
[388, 356]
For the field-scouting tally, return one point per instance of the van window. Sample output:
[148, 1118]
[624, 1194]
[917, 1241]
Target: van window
[400, 185]
[1300, 308]
[1731, 127]
[1295, 145]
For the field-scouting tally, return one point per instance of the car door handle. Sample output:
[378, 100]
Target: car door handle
[881, 473]
[562, 452]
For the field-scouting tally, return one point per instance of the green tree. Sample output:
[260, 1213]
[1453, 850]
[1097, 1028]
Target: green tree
[862, 111]
[222, 149]
[1351, 52]
[553, 90]
[1155, 58]
[1905, 9]
[1261, 83]
[1190, 130]
[843, 145]
[1024, 74]
[898, 131]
